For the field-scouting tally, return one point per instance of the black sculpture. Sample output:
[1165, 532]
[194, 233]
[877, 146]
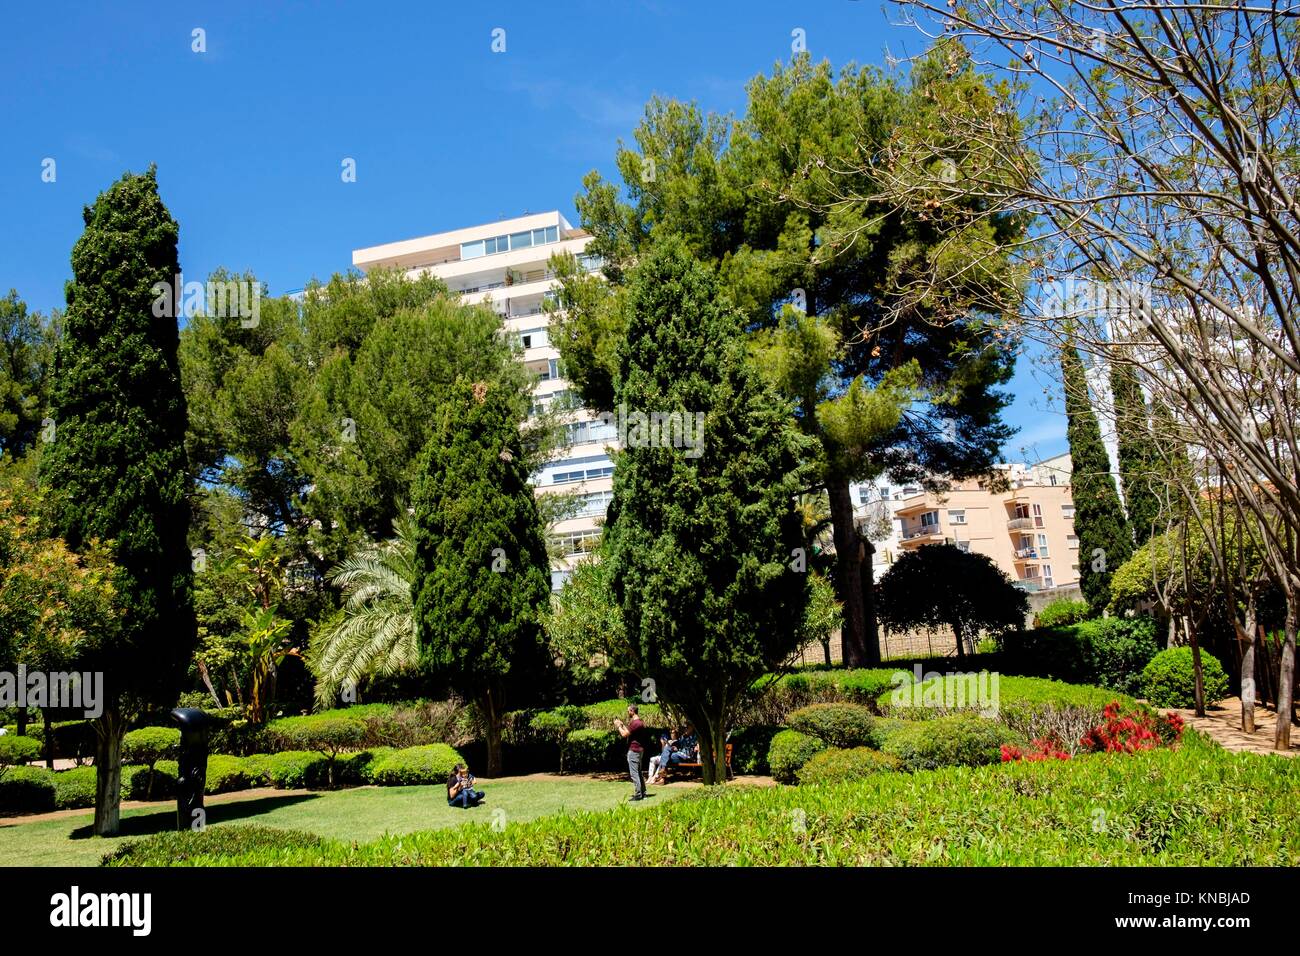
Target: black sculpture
[193, 770]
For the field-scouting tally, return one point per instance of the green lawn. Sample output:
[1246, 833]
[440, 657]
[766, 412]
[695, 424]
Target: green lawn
[362, 814]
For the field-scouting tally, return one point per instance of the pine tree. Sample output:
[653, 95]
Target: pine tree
[1138, 467]
[1104, 538]
[482, 576]
[704, 539]
[116, 469]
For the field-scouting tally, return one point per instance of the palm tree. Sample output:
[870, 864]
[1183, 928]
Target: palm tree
[376, 635]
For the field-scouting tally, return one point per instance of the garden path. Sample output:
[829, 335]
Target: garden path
[1222, 723]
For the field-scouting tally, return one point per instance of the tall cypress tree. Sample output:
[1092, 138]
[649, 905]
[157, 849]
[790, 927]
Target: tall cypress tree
[703, 536]
[1104, 539]
[1138, 465]
[482, 576]
[116, 469]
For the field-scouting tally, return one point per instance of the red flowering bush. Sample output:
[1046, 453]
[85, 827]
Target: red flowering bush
[1129, 733]
[1043, 748]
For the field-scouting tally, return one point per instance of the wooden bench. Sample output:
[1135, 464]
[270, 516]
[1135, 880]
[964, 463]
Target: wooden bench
[695, 764]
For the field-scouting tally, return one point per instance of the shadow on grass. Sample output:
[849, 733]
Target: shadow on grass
[164, 821]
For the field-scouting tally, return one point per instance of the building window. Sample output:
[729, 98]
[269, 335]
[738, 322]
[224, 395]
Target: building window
[585, 474]
[930, 519]
[578, 542]
[963, 546]
[1047, 576]
[1038, 516]
[864, 494]
[957, 517]
[1067, 511]
[1042, 546]
[1072, 541]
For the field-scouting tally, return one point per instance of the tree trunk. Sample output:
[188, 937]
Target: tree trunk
[826, 651]
[21, 720]
[493, 715]
[1198, 675]
[957, 633]
[1171, 636]
[110, 728]
[1286, 673]
[872, 631]
[713, 750]
[855, 640]
[1246, 638]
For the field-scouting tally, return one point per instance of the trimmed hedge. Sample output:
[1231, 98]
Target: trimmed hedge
[27, 790]
[74, 739]
[1183, 807]
[1109, 652]
[590, 750]
[1061, 612]
[837, 765]
[212, 844]
[838, 725]
[958, 740]
[1169, 680]
[790, 750]
[430, 764]
[16, 751]
[1030, 706]
[775, 699]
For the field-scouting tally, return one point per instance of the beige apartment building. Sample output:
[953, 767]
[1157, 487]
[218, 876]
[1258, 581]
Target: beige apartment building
[1028, 529]
[505, 264]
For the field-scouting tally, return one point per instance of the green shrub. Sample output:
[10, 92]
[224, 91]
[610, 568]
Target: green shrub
[430, 764]
[27, 790]
[1060, 612]
[1118, 649]
[775, 699]
[749, 747]
[837, 725]
[837, 765]
[147, 746]
[1182, 807]
[73, 739]
[554, 726]
[212, 846]
[16, 751]
[957, 740]
[1169, 680]
[225, 773]
[145, 783]
[328, 734]
[1031, 707]
[790, 750]
[600, 716]
[287, 770]
[74, 789]
[590, 750]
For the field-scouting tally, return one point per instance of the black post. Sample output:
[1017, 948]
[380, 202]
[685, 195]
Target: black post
[193, 770]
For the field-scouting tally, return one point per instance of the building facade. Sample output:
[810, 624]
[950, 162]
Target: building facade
[505, 265]
[1027, 529]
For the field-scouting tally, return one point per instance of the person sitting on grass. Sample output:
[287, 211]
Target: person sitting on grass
[682, 750]
[460, 789]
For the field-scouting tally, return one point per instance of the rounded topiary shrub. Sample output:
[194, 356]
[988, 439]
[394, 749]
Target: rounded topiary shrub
[838, 725]
[1168, 680]
[837, 765]
[26, 790]
[790, 750]
[74, 789]
[148, 745]
[1061, 612]
[958, 740]
[15, 750]
[144, 783]
[430, 764]
[590, 749]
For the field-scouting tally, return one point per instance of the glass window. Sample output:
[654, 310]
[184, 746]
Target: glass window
[957, 517]
[471, 250]
[521, 240]
[930, 519]
[552, 233]
[1067, 511]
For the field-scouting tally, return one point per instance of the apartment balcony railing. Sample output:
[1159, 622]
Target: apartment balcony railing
[1033, 583]
[1027, 553]
[927, 531]
[1020, 524]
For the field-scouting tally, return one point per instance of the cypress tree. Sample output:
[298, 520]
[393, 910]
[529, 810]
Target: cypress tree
[703, 536]
[1104, 538]
[482, 576]
[116, 469]
[1138, 465]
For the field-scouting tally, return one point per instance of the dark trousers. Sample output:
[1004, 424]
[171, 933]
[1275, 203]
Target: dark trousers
[466, 798]
[634, 758]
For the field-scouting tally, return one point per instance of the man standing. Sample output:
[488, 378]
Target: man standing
[635, 732]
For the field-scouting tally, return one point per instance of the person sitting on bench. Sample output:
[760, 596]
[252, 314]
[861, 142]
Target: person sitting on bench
[460, 789]
[684, 749]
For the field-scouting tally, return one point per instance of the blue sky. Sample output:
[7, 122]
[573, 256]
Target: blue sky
[249, 136]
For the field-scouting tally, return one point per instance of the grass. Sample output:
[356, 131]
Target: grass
[1194, 806]
[358, 815]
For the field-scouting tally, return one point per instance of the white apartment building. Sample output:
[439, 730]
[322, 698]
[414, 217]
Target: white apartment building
[505, 264]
